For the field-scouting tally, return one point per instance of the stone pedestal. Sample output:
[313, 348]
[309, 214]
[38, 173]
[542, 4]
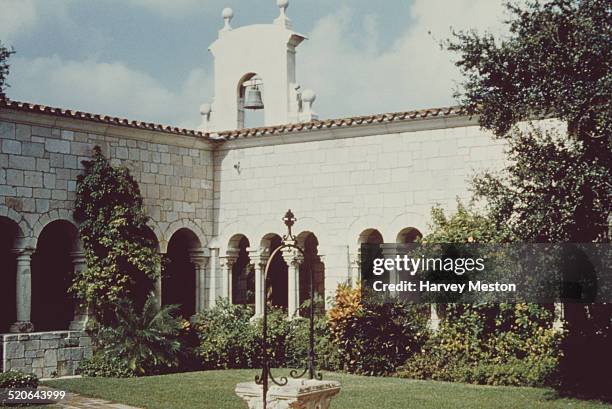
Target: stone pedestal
[297, 394]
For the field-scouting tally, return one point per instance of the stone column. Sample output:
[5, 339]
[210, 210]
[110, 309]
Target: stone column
[434, 319]
[559, 318]
[294, 259]
[227, 265]
[212, 268]
[259, 262]
[158, 284]
[80, 312]
[23, 291]
[354, 264]
[199, 261]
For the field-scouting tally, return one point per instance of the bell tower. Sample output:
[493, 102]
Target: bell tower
[254, 68]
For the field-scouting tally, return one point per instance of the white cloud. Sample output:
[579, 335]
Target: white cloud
[170, 7]
[110, 88]
[359, 77]
[15, 16]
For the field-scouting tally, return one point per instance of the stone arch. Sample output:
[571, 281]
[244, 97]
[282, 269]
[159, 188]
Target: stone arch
[243, 273]
[53, 262]
[312, 261]
[25, 238]
[408, 235]
[277, 280]
[51, 216]
[179, 279]
[155, 233]
[367, 254]
[11, 238]
[182, 224]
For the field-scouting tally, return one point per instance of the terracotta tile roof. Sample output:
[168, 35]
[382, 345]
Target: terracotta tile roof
[111, 120]
[446, 112]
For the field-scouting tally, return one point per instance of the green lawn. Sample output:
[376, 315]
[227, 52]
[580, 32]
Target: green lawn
[215, 390]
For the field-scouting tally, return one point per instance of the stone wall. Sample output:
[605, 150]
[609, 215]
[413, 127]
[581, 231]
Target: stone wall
[342, 182]
[40, 159]
[46, 354]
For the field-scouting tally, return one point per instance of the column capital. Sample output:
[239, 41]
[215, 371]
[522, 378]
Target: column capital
[199, 257]
[292, 257]
[227, 261]
[26, 252]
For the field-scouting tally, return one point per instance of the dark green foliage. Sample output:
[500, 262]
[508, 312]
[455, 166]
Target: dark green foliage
[145, 340]
[297, 345]
[465, 225]
[105, 366]
[16, 379]
[375, 338]
[5, 54]
[122, 261]
[504, 344]
[555, 62]
[227, 337]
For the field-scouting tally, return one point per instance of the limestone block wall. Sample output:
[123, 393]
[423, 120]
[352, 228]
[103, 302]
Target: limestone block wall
[40, 159]
[45, 354]
[342, 182]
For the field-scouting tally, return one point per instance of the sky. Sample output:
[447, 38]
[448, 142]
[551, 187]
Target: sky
[148, 59]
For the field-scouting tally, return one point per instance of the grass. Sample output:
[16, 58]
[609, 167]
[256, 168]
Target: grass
[215, 389]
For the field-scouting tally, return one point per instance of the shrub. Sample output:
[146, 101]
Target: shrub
[227, 337]
[16, 379]
[102, 365]
[505, 344]
[147, 341]
[375, 338]
[298, 341]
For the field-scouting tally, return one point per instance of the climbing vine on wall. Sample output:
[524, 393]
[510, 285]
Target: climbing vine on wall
[122, 261]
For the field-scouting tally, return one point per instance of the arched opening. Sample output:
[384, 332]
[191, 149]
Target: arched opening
[408, 235]
[367, 254]
[249, 118]
[312, 261]
[277, 280]
[243, 275]
[52, 273]
[179, 276]
[10, 235]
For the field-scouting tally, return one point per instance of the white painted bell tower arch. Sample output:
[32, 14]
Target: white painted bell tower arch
[267, 51]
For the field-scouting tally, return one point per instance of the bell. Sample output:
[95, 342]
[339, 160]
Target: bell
[253, 100]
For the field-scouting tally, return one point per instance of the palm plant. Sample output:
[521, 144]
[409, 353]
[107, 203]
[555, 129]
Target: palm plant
[146, 340]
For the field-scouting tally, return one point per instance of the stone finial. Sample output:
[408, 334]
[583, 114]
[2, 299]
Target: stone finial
[282, 19]
[308, 98]
[227, 15]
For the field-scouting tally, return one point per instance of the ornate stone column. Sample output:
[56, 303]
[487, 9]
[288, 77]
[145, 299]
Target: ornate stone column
[80, 312]
[158, 283]
[212, 268]
[227, 266]
[259, 263]
[199, 261]
[294, 259]
[23, 291]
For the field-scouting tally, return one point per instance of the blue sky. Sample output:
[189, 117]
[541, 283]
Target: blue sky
[148, 59]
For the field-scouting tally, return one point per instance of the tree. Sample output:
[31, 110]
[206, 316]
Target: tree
[555, 63]
[122, 261]
[5, 53]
